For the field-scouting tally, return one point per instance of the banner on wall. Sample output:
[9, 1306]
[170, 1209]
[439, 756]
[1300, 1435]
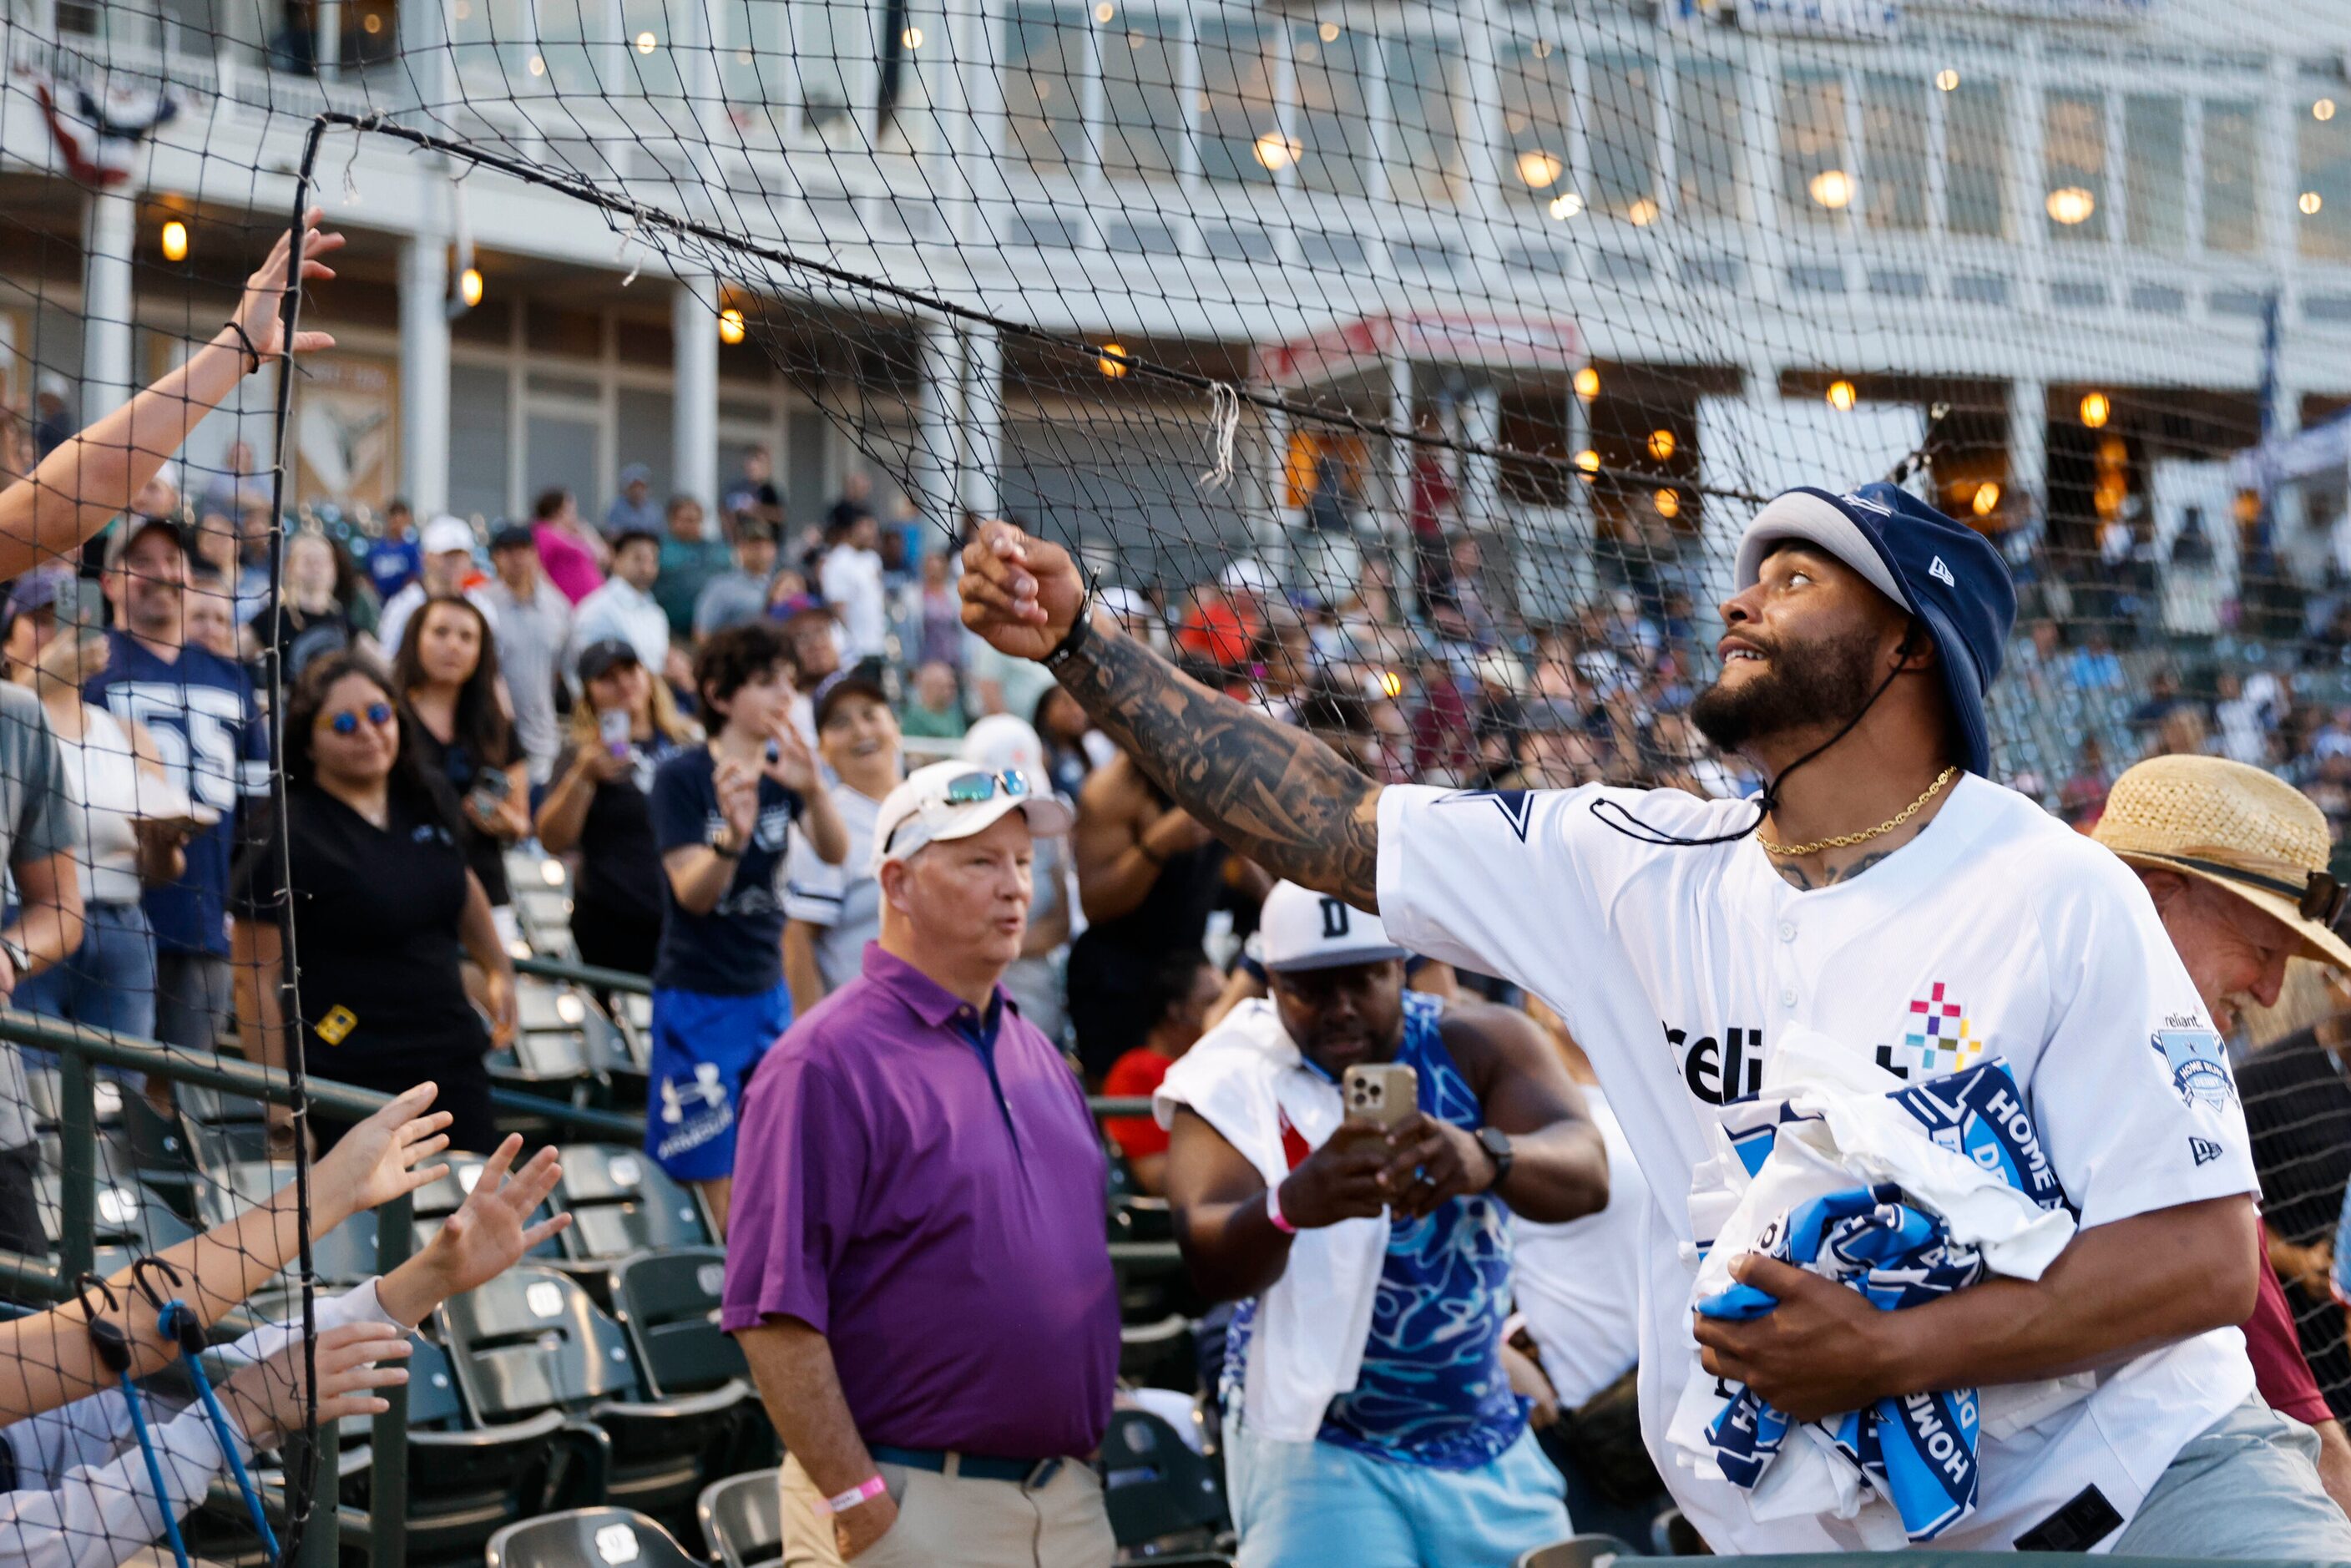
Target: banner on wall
[346, 423]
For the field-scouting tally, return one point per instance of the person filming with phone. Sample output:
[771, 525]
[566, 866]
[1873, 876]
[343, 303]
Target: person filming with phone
[1344, 1159]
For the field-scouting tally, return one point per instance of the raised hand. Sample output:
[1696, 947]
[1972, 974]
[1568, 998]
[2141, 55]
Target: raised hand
[380, 1159]
[789, 762]
[1021, 594]
[264, 291]
[490, 1232]
[737, 788]
[265, 1401]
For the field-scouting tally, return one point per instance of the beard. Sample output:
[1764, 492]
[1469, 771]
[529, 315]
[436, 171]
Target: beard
[1823, 682]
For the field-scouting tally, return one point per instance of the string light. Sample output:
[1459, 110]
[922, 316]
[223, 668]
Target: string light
[1667, 502]
[1330, 32]
[1642, 214]
[2095, 410]
[2323, 110]
[1587, 461]
[1661, 445]
[175, 240]
[1391, 684]
[730, 326]
[469, 287]
[2071, 204]
[2310, 202]
[1831, 188]
[1947, 79]
[1986, 500]
[1587, 383]
[647, 43]
[1275, 150]
[1539, 168]
[1566, 204]
[1111, 361]
[911, 37]
[1105, 11]
[1841, 394]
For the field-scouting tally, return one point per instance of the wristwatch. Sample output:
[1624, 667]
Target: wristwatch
[723, 843]
[1497, 1145]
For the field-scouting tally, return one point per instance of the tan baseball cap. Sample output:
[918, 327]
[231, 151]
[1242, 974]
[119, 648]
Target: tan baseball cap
[2238, 828]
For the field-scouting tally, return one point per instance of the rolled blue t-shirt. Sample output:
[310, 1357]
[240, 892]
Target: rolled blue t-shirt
[737, 949]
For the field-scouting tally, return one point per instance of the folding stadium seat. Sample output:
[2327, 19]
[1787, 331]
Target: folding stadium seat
[587, 1538]
[1577, 1551]
[129, 1221]
[620, 1202]
[1154, 1485]
[532, 1340]
[343, 1255]
[742, 1519]
[668, 1303]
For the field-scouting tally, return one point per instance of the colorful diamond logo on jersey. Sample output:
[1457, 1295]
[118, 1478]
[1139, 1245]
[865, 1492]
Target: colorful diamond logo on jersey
[1941, 1039]
[2199, 1066]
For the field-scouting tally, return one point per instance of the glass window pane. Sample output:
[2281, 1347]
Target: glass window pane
[650, 67]
[1816, 171]
[911, 46]
[1044, 85]
[1426, 92]
[1894, 152]
[1975, 160]
[2324, 157]
[1330, 64]
[1707, 147]
[2073, 160]
[2155, 173]
[491, 42]
[1242, 139]
[2232, 205]
[567, 29]
[1142, 129]
[1622, 135]
[1538, 109]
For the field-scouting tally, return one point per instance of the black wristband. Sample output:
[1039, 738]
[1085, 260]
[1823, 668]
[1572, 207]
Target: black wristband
[1080, 631]
[251, 353]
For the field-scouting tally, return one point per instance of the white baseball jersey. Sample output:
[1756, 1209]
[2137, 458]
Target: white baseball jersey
[1996, 931]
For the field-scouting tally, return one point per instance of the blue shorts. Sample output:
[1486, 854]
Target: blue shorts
[1299, 1505]
[704, 1050]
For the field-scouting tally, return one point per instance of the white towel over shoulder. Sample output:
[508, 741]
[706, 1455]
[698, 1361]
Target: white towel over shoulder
[1246, 1079]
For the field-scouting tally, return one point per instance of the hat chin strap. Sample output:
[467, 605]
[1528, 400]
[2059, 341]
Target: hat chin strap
[1617, 818]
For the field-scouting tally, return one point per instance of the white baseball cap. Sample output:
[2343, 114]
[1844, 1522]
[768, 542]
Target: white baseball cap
[955, 800]
[1302, 929]
[444, 534]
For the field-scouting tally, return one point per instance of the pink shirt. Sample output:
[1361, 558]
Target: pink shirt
[570, 564]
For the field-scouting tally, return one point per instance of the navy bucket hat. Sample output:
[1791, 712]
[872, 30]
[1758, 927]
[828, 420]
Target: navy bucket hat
[1943, 572]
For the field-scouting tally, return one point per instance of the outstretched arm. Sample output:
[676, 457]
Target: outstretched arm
[1275, 794]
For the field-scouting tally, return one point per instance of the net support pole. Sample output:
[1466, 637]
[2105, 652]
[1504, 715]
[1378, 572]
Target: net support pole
[935, 464]
[78, 1188]
[108, 239]
[983, 421]
[694, 408]
[2028, 445]
[388, 1494]
[424, 373]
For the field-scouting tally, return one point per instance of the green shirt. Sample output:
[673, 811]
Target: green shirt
[929, 723]
[686, 568]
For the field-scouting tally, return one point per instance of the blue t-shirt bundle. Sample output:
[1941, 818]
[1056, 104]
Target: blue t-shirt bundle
[1917, 1450]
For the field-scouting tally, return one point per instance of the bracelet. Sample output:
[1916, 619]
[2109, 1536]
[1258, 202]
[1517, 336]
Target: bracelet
[251, 353]
[1080, 631]
[872, 1486]
[1273, 1210]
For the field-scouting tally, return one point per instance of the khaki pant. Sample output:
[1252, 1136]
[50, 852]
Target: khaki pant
[946, 1520]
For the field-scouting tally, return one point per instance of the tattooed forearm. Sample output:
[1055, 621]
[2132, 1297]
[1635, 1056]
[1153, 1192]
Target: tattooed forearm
[1276, 794]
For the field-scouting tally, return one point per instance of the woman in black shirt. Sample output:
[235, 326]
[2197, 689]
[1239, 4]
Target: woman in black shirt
[384, 909]
[597, 806]
[447, 678]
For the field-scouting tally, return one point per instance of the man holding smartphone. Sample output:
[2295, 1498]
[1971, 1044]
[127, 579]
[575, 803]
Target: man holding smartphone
[1454, 1118]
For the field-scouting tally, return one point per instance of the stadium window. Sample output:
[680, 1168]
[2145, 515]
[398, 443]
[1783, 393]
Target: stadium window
[2073, 165]
[754, 44]
[1707, 145]
[2154, 175]
[564, 30]
[1426, 96]
[1975, 159]
[2322, 149]
[913, 42]
[1143, 112]
[1894, 152]
[1815, 166]
[833, 57]
[1242, 140]
[2233, 176]
[1624, 135]
[1328, 65]
[650, 71]
[1538, 111]
[1044, 85]
[489, 40]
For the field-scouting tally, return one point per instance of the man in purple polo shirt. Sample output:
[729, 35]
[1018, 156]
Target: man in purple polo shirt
[916, 1267]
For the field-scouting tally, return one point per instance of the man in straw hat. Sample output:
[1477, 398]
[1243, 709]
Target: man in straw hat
[2236, 861]
[1883, 893]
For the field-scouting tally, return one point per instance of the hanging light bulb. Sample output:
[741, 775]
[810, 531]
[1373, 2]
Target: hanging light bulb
[175, 240]
[469, 287]
[1661, 444]
[1987, 499]
[1831, 188]
[1667, 502]
[1111, 361]
[1587, 383]
[2095, 410]
[1587, 461]
[2071, 204]
[1539, 168]
[1841, 394]
[730, 326]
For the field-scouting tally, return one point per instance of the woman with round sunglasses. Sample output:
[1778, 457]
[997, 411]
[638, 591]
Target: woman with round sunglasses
[388, 908]
[723, 815]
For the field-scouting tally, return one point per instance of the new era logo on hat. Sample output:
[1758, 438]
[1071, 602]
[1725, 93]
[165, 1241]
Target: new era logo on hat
[1302, 929]
[1945, 572]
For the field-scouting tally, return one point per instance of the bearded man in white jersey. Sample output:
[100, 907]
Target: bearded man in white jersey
[1883, 893]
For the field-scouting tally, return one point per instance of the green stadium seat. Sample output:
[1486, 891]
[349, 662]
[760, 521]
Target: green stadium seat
[668, 1302]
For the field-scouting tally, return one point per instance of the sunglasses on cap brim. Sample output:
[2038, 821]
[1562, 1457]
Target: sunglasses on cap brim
[974, 789]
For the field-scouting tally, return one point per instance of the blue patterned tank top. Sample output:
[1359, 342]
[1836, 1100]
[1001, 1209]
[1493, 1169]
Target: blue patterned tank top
[1432, 1390]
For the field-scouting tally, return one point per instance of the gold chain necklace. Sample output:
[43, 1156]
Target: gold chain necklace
[1847, 840]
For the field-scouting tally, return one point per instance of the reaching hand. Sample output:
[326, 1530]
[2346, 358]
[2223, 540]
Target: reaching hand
[264, 291]
[377, 1160]
[737, 788]
[265, 1401]
[1340, 1180]
[790, 763]
[1434, 1161]
[489, 1234]
[1021, 594]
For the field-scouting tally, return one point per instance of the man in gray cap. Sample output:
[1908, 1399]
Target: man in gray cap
[633, 510]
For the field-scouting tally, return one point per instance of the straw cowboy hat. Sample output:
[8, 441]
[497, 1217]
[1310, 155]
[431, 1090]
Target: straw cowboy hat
[2238, 828]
